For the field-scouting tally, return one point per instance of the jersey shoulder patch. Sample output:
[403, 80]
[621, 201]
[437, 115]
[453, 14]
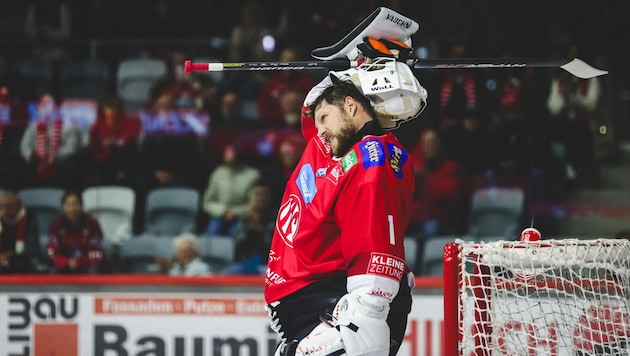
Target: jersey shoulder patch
[398, 156]
[372, 153]
[349, 160]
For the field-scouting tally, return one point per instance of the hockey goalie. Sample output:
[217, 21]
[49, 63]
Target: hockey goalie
[336, 280]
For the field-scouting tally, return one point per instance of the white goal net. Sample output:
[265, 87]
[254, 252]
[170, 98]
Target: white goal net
[550, 297]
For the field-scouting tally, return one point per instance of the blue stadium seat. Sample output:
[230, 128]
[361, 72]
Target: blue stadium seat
[134, 79]
[171, 210]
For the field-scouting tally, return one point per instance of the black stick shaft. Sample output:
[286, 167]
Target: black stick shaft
[574, 66]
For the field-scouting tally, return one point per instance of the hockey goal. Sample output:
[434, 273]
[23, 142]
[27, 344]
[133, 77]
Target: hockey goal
[549, 297]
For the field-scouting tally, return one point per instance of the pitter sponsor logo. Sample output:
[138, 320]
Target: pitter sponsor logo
[372, 154]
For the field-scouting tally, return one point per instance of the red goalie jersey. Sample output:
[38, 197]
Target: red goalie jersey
[346, 214]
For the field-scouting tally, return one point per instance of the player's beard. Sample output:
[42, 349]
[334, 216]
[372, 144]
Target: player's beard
[341, 141]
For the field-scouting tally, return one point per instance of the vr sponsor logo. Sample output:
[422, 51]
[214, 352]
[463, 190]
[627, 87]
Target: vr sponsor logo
[372, 154]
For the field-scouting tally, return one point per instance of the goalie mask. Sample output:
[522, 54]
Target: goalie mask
[394, 91]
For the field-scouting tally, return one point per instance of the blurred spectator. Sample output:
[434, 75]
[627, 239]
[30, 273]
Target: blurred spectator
[291, 104]
[193, 90]
[261, 147]
[19, 91]
[290, 152]
[463, 123]
[230, 116]
[573, 104]
[227, 193]
[19, 236]
[187, 261]
[288, 155]
[251, 39]
[9, 79]
[437, 201]
[48, 23]
[471, 147]
[254, 231]
[246, 38]
[275, 109]
[458, 99]
[521, 148]
[13, 169]
[258, 219]
[21, 88]
[227, 126]
[170, 150]
[75, 239]
[51, 147]
[113, 144]
[522, 154]
[512, 156]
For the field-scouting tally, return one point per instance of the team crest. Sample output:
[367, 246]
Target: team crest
[288, 220]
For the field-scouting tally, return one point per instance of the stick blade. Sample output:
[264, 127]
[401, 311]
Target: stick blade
[581, 69]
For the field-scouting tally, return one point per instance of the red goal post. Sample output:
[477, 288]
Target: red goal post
[549, 297]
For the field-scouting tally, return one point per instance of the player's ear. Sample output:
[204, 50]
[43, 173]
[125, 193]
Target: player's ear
[350, 105]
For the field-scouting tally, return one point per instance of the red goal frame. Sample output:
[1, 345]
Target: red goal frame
[453, 333]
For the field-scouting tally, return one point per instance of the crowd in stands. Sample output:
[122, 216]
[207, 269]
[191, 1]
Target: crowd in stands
[237, 139]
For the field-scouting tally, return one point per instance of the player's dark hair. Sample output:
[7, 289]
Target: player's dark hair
[337, 93]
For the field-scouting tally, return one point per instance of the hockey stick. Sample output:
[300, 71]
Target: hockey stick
[575, 66]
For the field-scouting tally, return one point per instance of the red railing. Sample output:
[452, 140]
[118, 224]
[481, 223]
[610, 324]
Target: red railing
[163, 280]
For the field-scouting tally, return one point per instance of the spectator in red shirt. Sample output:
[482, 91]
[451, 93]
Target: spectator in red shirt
[438, 183]
[75, 239]
[114, 144]
[52, 147]
[270, 107]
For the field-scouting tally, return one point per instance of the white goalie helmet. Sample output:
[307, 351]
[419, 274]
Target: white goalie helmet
[394, 91]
